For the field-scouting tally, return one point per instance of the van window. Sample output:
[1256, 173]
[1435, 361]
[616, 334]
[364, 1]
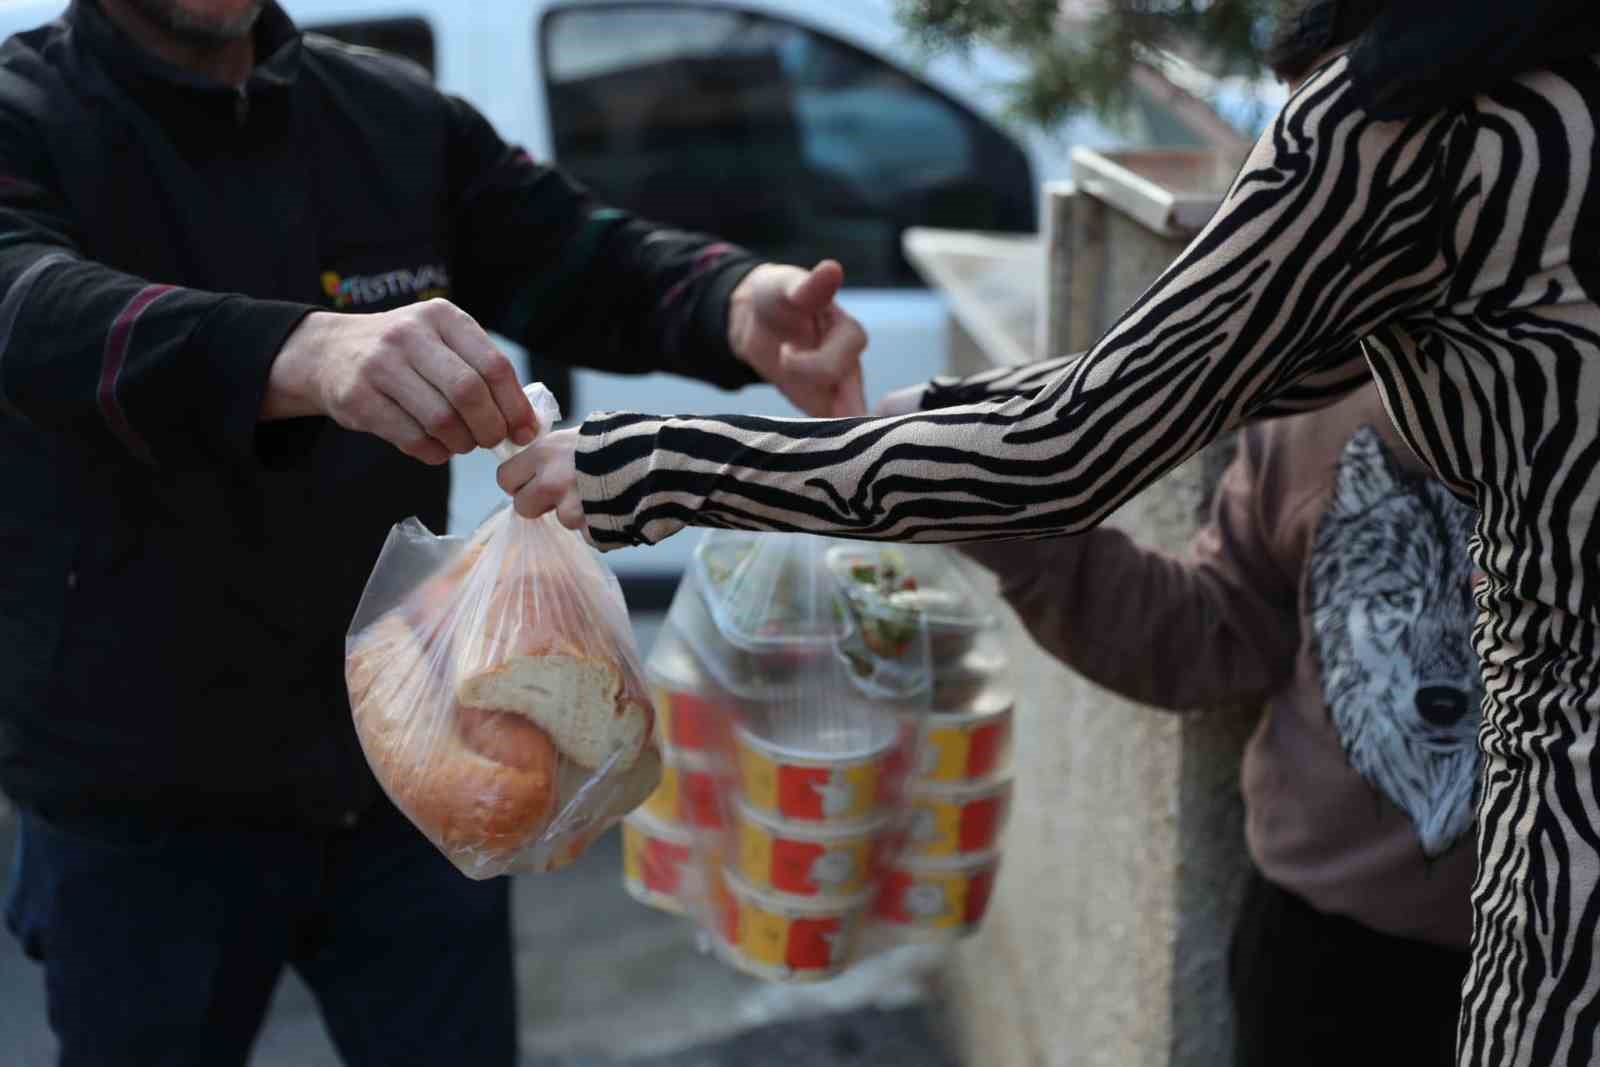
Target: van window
[771, 134]
[408, 37]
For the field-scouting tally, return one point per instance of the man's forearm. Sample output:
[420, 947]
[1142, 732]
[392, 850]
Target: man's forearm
[165, 374]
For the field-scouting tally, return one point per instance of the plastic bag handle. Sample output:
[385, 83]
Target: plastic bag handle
[546, 414]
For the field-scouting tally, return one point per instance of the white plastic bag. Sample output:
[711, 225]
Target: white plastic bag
[497, 690]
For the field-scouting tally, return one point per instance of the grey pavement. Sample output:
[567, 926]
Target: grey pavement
[898, 1037]
[603, 982]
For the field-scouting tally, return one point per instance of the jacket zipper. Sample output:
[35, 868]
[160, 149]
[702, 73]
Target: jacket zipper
[241, 106]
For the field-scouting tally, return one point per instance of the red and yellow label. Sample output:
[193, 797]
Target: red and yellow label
[769, 859]
[690, 722]
[951, 827]
[687, 797]
[959, 753]
[944, 900]
[815, 794]
[793, 943]
[661, 867]
[725, 907]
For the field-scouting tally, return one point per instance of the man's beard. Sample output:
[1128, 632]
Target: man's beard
[201, 31]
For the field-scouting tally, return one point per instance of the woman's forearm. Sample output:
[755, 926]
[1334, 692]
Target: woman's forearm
[1270, 295]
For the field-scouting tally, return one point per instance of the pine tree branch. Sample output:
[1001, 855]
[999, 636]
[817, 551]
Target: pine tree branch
[1082, 56]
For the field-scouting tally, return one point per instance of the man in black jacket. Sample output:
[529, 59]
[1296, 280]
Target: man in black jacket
[242, 276]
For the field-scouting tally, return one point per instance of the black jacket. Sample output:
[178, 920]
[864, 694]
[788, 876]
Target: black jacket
[177, 577]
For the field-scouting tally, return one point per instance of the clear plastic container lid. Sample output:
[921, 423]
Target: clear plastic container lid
[893, 589]
[672, 665]
[770, 594]
[844, 733]
[755, 676]
[766, 620]
[893, 678]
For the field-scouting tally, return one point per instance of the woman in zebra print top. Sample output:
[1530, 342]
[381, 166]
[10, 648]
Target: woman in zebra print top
[1462, 246]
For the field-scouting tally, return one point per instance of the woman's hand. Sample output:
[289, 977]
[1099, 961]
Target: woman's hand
[544, 477]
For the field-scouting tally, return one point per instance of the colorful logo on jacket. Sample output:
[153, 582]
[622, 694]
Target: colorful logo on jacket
[394, 287]
[1392, 609]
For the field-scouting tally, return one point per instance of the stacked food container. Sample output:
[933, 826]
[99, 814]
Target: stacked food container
[663, 841]
[958, 793]
[830, 786]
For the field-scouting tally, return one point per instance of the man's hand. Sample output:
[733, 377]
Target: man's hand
[425, 378]
[544, 477]
[783, 322]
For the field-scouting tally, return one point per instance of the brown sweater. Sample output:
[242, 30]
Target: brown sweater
[1333, 582]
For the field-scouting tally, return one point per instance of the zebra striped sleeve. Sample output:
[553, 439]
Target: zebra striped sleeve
[1330, 230]
[1346, 372]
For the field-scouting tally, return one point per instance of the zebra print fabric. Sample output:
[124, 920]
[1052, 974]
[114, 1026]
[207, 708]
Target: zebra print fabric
[1463, 250]
[1315, 390]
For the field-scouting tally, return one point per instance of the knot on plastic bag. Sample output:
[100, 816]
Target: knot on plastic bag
[546, 413]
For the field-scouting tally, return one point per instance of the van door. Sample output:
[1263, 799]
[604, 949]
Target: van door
[787, 140]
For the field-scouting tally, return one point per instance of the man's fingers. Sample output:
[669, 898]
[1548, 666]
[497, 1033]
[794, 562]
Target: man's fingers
[388, 420]
[838, 355]
[813, 292]
[846, 341]
[806, 367]
[824, 366]
[851, 398]
[789, 323]
[468, 341]
[429, 409]
[462, 391]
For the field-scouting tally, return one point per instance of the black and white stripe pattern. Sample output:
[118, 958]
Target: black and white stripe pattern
[1463, 250]
[1346, 373]
[1225, 330]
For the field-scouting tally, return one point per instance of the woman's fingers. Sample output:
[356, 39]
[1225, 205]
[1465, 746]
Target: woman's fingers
[569, 512]
[517, 471]
[544, 478]
[543, 495]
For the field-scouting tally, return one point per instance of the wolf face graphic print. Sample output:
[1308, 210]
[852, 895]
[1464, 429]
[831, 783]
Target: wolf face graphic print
[1391, 618]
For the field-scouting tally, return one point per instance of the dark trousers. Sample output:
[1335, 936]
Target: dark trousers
[1311, 989]
[161, 945]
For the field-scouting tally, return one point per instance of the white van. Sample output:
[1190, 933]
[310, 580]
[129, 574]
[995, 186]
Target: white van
[802, 129]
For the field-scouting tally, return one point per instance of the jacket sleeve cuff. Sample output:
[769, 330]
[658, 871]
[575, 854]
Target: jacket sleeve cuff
[722, 367]
[615, 458]
[243, 338]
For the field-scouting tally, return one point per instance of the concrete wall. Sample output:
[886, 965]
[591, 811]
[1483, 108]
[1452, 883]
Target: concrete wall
[1106, 943]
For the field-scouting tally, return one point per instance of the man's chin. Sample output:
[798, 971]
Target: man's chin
[199, 29]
